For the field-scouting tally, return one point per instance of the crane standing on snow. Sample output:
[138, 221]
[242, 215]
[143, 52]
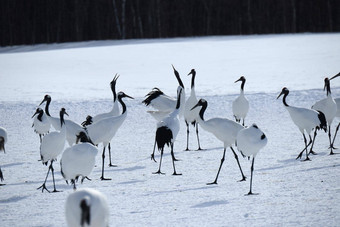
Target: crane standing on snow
[224, 130]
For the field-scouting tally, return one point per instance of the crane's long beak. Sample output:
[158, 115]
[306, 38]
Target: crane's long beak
[129, 97]
[42, 101]
[237, 80]
[335, 76]
[279, 95]
[36, 112]
[195, 106]
[116, 77]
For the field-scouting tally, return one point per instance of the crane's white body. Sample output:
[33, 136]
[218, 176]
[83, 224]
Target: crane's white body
[222, 128]
[98, 208]
[164, 103]
[251, 140]
[52, 145]
[158, 115]
[41, 124]
[171, 121]
[305, 119]
[105, 129]
[328, 107]
[3, 138]
[78, 160]
[112, 113]
[240, 106]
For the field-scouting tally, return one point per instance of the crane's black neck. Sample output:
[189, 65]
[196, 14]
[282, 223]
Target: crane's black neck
[62, 121]
[178, 78]
[47, 106]
[122, 103]
[284, 98]
[202, 111]
[193, 79]
[113, 89]
[178, 104]
[243, 83]
[40, 115]
[328, 88]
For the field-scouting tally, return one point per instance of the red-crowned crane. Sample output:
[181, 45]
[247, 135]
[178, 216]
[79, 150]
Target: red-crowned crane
[78, 160]
[52, 145]
[190, 116]
[240, 105]
[306, 120]
[249, 142]
[104, 130]
[114, 112]
[167, 131]
[87, 207]
[328, 107]
[224, 130]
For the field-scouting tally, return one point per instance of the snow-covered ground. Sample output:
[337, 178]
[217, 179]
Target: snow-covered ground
[77, 76]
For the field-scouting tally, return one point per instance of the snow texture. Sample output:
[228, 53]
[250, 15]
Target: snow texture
[78, 76]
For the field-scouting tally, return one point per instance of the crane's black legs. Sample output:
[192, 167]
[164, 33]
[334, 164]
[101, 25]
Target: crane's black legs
[110, 156]
[251, 178]
[336, 131]
[103, 158]
[238, 163]
[173, 160]
[160, 163]
[187, 149]
[198, 139]
[188, 132]
[74, 184]
[313, 141]
[43, 186]
[330, 140]
[153, 153]
[300, 154]
[52, 170]
[305, 140]
[1, 175]
[219, 169]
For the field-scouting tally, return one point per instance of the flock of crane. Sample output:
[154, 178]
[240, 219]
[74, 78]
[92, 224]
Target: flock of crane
[78, 160]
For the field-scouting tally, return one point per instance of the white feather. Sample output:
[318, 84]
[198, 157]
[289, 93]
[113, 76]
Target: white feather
[99, 209]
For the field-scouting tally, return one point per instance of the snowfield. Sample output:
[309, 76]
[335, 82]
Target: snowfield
[77, 76]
